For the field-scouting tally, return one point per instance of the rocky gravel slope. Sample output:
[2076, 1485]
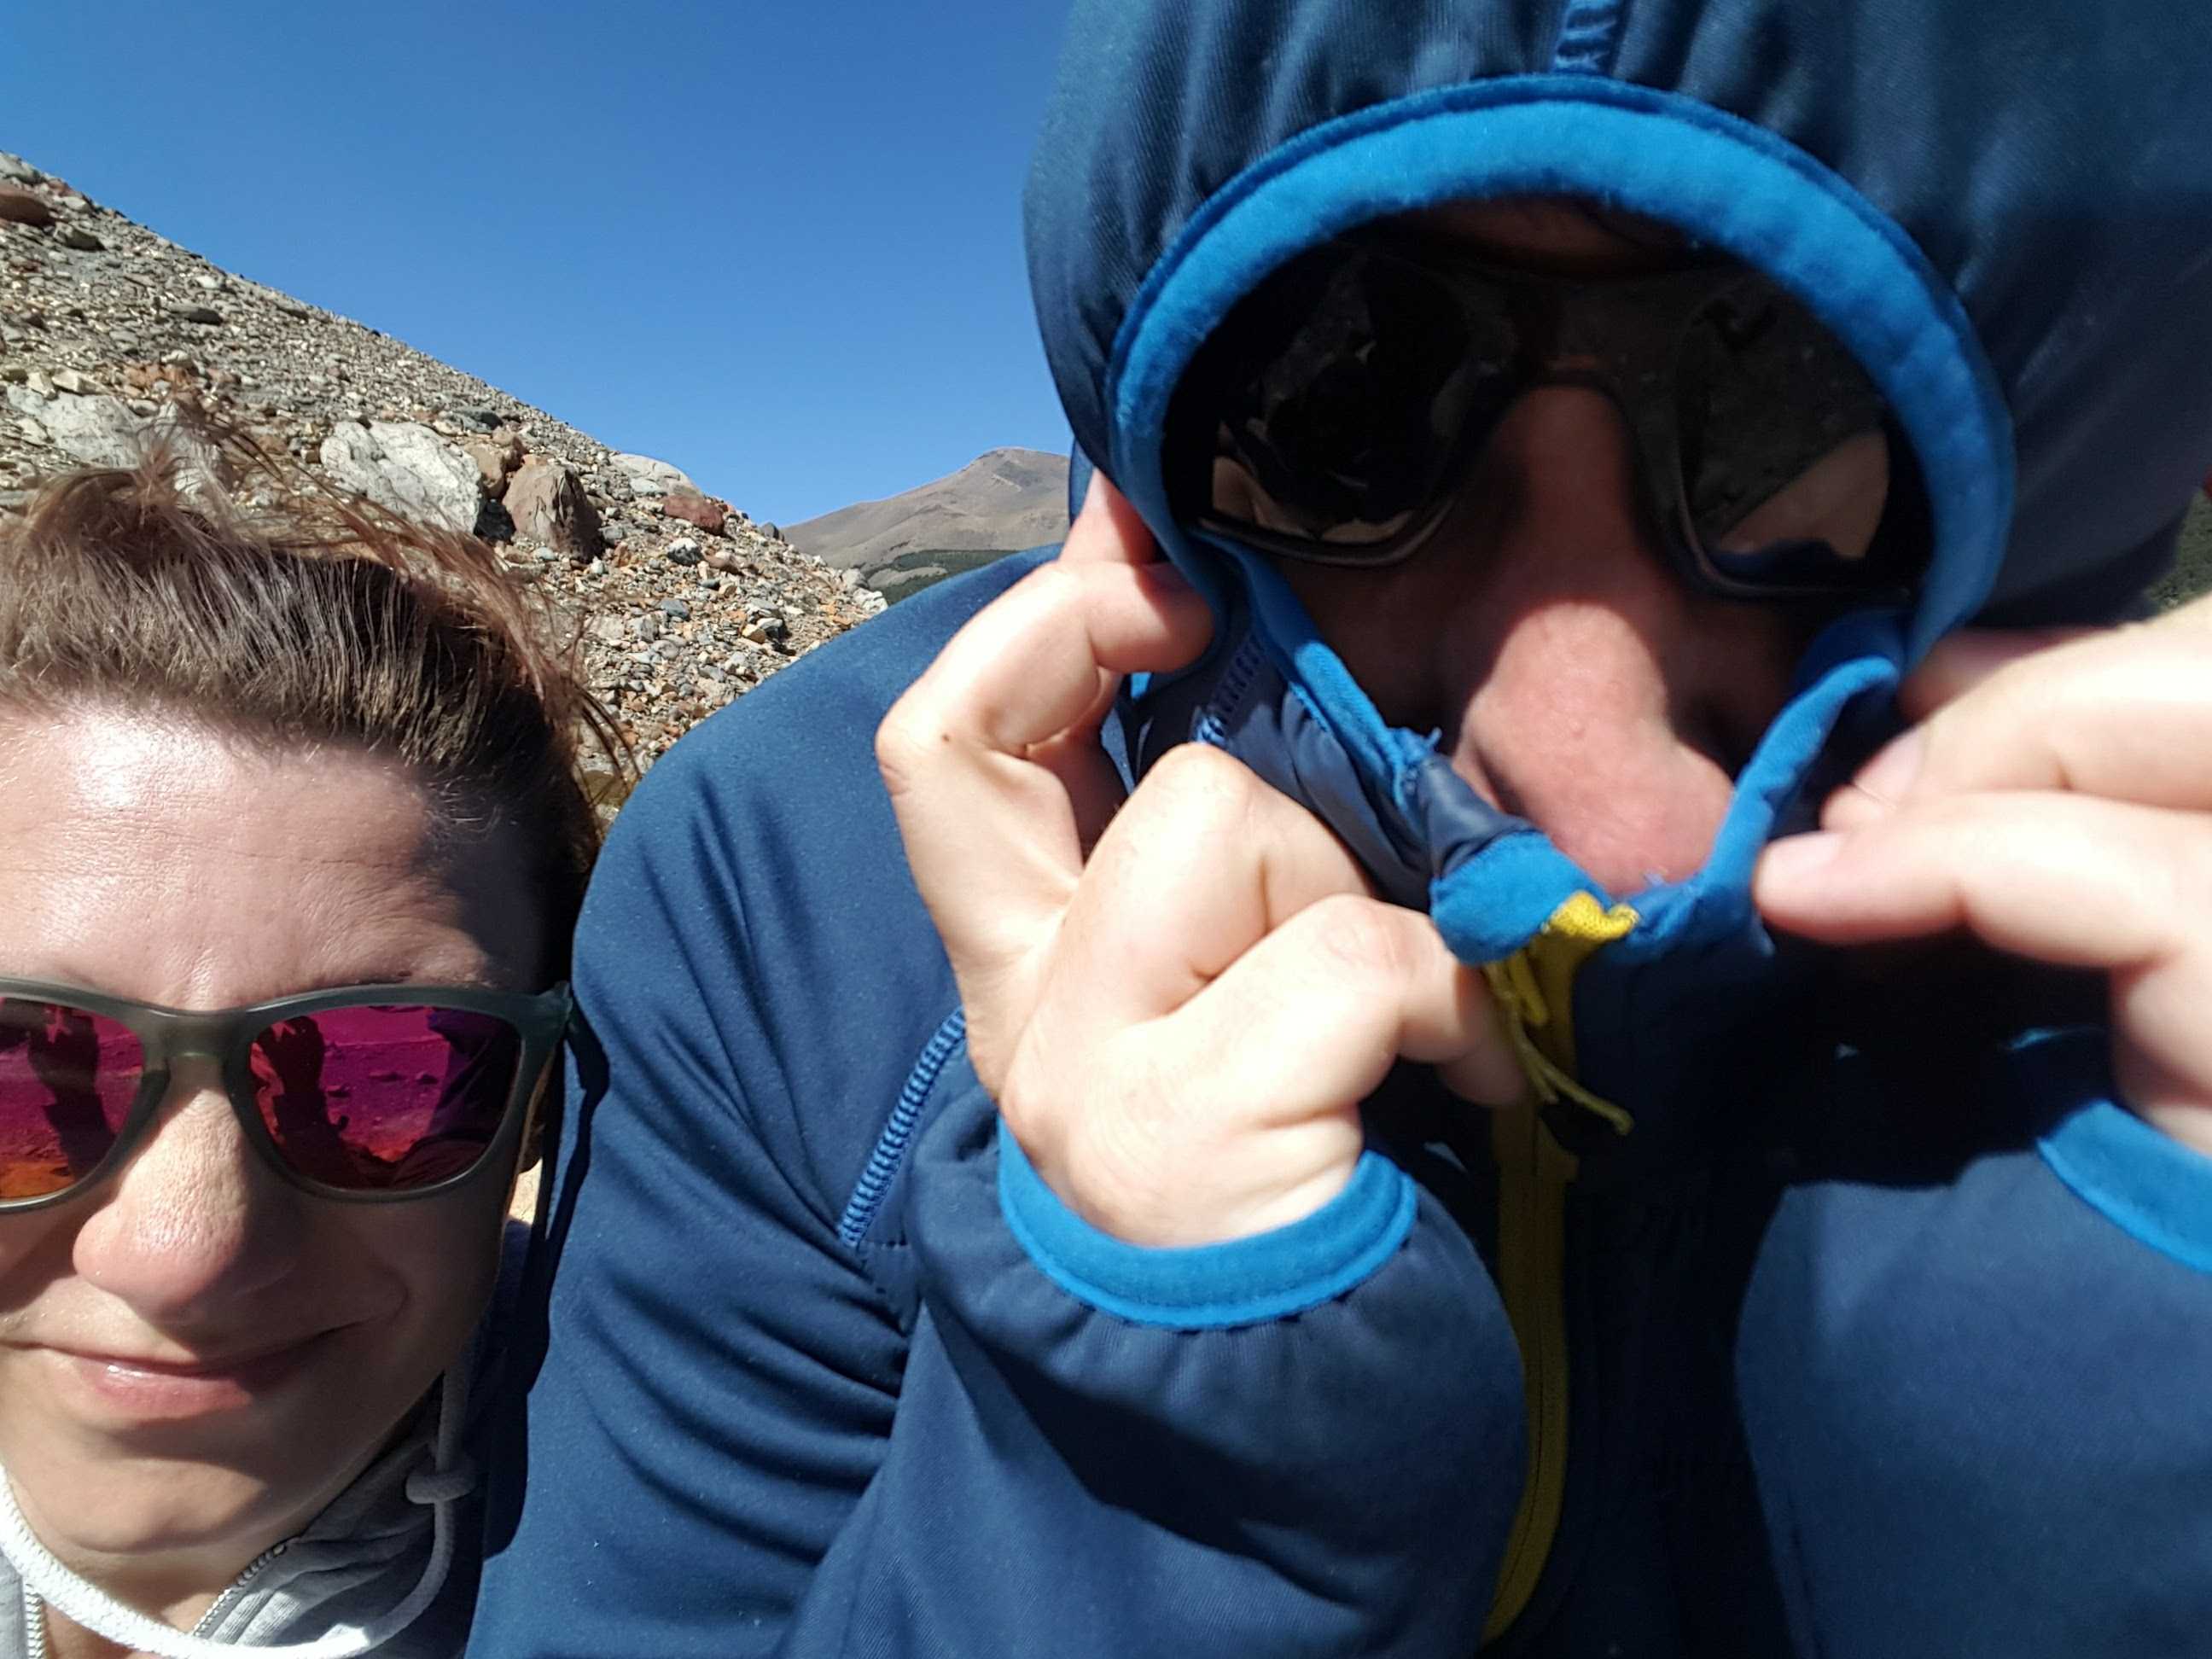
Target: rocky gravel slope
[683, 601]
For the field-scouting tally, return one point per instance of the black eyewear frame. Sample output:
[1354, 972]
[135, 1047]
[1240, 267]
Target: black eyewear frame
[227, 1036]
[1625, 337]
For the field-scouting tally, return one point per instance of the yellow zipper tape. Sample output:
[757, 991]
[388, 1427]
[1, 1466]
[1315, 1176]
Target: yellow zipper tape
[1534, 991]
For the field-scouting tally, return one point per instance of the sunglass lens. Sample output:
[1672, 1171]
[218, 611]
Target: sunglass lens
[1787, 473]
[1335, 397]
[67, 1080]
[382, 1098]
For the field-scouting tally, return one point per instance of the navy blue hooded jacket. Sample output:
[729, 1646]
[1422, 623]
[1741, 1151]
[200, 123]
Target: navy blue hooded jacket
[1831, 1306]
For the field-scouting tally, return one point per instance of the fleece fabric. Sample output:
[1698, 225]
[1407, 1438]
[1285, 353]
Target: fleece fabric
[1875, 1332]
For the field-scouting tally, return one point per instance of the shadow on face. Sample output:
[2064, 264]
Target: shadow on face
[1542, 627]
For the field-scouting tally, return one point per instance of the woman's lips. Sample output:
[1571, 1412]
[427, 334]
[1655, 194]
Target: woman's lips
[153, 1390]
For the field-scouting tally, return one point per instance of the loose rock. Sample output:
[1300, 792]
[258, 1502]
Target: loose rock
[688, 505]
[495, 461]
[407, 468]
[548, 503]
[22, 207]
[650, 478]
[295, 377]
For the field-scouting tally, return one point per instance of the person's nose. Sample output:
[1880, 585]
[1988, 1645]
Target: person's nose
[194, 1227]
[1612, 695]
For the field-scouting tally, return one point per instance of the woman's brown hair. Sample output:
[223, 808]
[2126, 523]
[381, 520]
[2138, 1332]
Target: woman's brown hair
[311, 617]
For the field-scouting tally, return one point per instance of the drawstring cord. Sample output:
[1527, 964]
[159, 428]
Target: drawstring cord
[1513, 987]
[48, 1582]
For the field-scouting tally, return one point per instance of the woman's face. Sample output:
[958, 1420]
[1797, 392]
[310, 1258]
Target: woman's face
[196, 1356]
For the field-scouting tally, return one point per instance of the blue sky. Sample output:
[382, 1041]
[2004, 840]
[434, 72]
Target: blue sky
[777, 242]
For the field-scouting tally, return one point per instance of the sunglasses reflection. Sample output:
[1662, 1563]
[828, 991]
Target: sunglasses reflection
[62, 1049]
[361, 1099]
[383, 1120]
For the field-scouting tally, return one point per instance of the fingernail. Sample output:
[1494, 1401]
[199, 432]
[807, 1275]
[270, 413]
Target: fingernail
[1800, 858]
[1889, 775]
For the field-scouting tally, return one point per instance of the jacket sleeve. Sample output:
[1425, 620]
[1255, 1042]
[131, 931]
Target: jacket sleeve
[1308, 1443]
[802, 1382]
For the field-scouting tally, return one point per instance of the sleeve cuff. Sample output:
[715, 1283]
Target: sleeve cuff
[1245, 1281]
[2153, 1188]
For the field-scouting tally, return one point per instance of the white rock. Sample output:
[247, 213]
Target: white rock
[102, 431]
[98, 431]
[407, 468]
[650, 478]
[16, 170]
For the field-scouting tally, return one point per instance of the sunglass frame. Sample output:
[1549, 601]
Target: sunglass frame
[226, 1036]
[1681, 294]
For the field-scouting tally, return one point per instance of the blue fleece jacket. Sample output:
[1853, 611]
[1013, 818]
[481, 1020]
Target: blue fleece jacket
[1826, 1304]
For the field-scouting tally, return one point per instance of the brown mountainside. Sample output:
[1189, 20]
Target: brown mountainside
[106, 328]
[1002, 501]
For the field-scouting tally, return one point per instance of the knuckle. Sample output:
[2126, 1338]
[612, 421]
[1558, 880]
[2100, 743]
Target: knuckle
[1361, 938]
[909, 741]
[1052, 587]
[1200, 786]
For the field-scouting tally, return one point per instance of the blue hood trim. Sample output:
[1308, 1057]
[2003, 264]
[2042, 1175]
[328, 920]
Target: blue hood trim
[1494, 882]
[1732, 185]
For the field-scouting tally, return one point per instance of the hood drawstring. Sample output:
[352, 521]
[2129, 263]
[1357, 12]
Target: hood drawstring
[1534, 990]
[48, 1582]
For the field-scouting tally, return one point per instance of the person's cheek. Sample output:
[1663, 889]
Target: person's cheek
[35, 1253]
[444, 1253]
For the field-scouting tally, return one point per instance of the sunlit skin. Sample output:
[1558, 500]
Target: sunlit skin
[1577, 681]
[1179, 1000]
[196, 1356]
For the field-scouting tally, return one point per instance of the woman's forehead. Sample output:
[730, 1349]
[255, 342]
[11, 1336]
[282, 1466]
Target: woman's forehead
[174, 865]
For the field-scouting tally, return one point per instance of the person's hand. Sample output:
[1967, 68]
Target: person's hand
[64, 1054]
[2054, 797]
[1179, 1003]
[289, 1054]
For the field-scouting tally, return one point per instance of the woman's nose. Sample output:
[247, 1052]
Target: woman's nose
[1608, 682]
[194, 1224]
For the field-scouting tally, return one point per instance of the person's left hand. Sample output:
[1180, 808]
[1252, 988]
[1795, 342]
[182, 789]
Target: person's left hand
[2054, 797]
[289, 1054]
[65, 1055]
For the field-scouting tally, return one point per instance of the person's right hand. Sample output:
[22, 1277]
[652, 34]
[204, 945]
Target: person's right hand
[290, 1057]
[1178, 1003]
[64, 1054]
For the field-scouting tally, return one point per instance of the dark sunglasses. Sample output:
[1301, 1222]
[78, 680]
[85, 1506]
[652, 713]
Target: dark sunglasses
[1332, 415]
[375, 1091]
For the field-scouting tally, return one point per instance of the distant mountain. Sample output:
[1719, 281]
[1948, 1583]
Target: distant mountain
[1003, 501]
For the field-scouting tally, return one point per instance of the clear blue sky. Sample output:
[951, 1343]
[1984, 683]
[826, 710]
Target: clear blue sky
[777, 242]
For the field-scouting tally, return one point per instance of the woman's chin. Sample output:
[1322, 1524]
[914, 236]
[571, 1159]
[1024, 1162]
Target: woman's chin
[109, 1515]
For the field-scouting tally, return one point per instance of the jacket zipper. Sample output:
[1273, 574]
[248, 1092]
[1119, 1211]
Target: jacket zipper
[1534, 991]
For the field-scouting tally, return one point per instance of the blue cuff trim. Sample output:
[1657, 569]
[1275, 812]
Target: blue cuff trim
[2148, 1184]
[1246, 1281]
